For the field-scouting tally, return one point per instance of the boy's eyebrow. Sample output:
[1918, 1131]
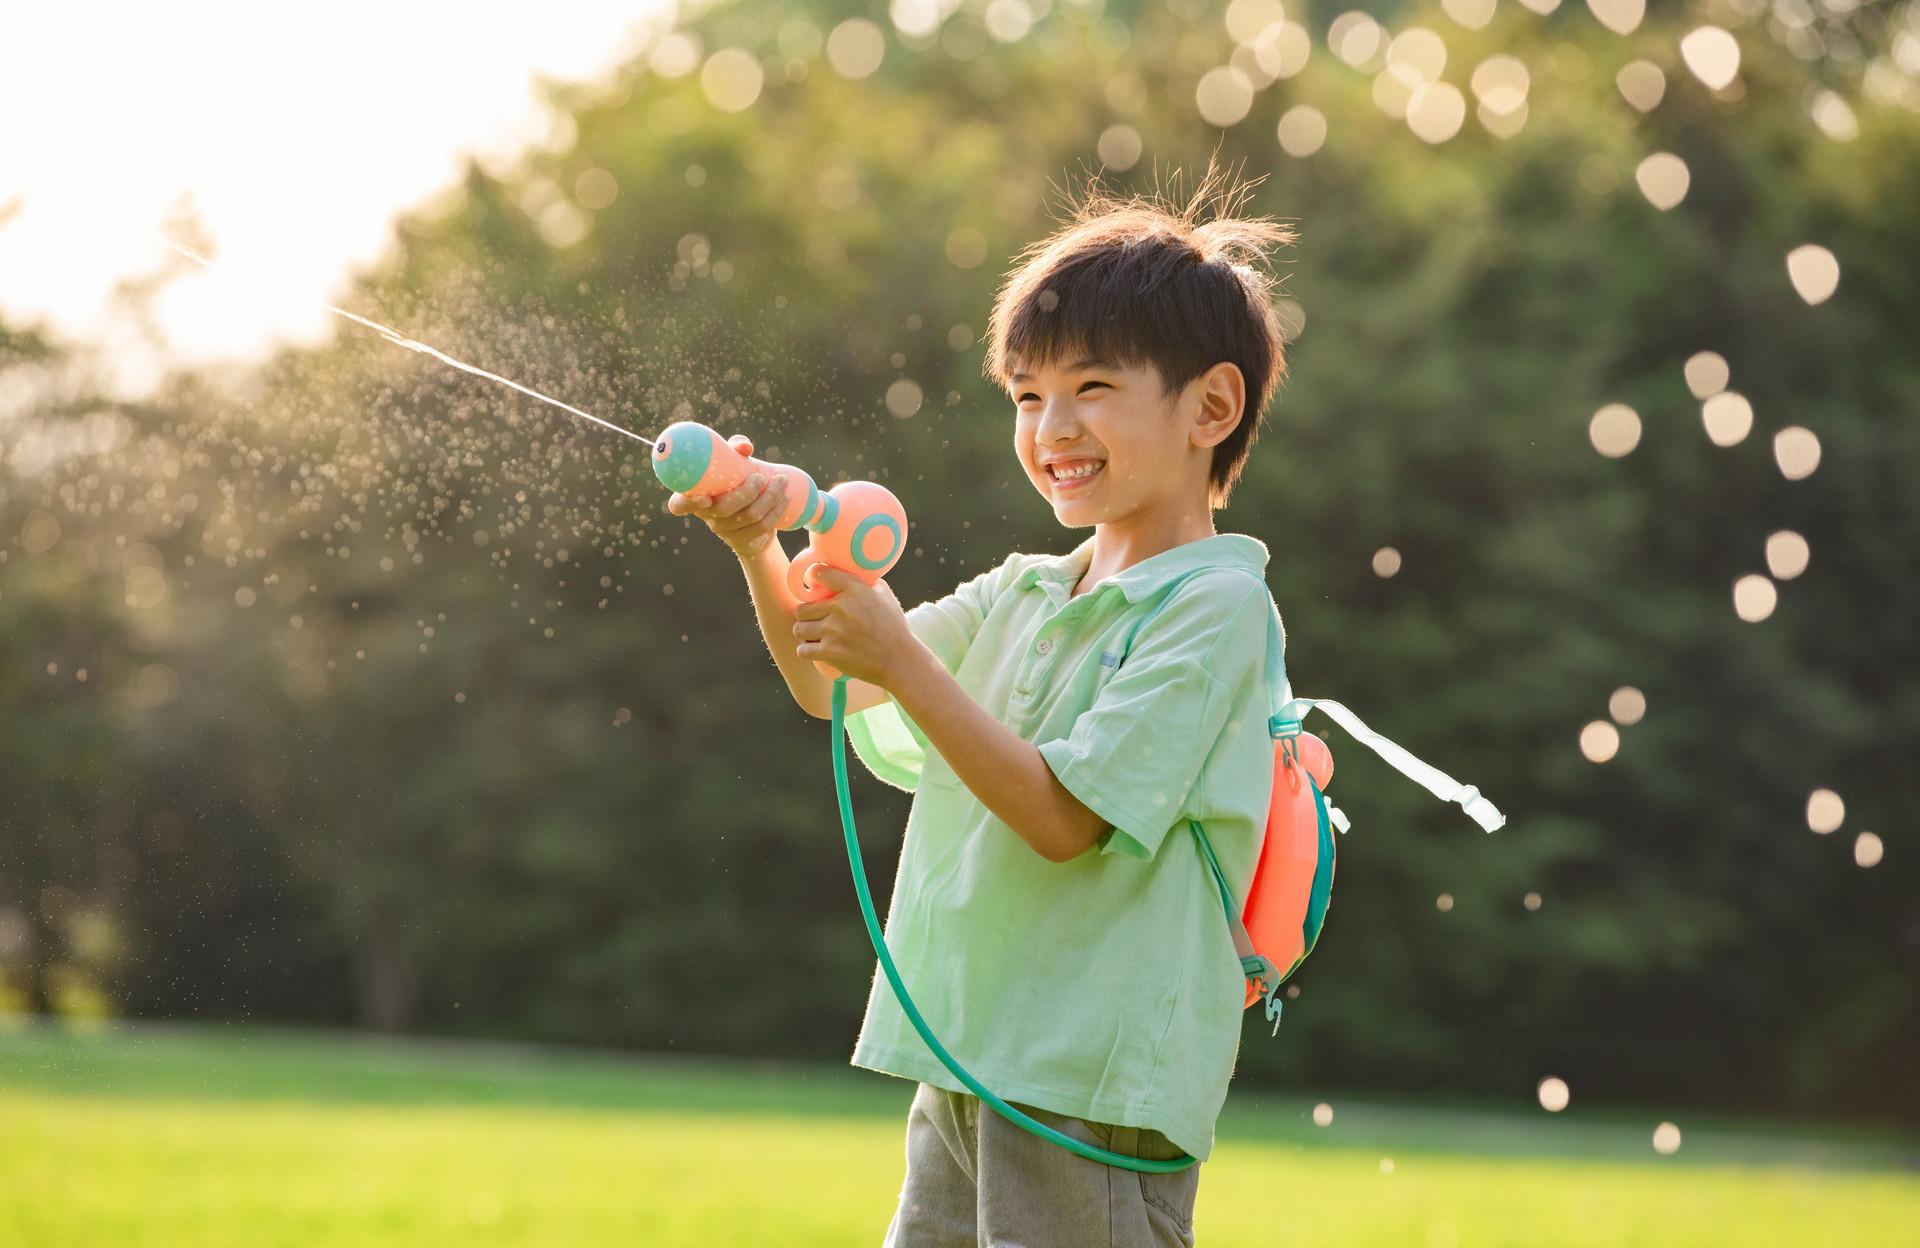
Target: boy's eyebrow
[1075, 367]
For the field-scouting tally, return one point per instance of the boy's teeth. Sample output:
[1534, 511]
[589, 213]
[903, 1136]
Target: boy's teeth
[1076, 472]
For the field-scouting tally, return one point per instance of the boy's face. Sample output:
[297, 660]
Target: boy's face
[1081, 413]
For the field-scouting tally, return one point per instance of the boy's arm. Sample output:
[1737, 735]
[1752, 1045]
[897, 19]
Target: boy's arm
[773, 604]
[1006, 773]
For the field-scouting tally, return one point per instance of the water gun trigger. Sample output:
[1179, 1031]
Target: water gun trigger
[800, 576]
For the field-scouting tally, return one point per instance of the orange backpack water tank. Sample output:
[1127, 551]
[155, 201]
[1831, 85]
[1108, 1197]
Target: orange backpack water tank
[1293, 881]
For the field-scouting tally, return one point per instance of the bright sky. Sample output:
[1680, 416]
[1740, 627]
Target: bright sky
[294, 133]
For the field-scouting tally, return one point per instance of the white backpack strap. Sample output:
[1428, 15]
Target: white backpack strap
[1432, 779]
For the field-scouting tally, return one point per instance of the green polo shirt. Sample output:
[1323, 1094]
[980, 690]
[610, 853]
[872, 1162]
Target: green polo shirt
[1105, 987]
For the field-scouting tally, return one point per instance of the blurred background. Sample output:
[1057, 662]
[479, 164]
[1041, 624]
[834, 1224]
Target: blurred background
[343, 692]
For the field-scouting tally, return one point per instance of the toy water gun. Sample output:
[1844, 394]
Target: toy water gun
[857, 526]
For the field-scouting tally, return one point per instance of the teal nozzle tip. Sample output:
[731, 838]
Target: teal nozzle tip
[681, 455]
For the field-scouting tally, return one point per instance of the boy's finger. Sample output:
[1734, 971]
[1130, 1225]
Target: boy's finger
[740, 495]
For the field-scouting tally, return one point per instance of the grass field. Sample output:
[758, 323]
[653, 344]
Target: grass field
[165, 1137]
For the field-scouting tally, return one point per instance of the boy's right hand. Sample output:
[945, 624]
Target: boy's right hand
[744, 516]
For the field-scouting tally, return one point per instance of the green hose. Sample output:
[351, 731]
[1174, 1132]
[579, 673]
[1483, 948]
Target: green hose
[1089, 1151]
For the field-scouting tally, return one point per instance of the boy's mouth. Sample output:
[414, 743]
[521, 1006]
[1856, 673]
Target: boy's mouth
[1074, 475]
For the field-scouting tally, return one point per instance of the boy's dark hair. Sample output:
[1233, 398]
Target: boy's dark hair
[1138, 281]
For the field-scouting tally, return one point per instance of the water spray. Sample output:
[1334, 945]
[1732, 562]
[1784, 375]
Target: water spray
[401, 340]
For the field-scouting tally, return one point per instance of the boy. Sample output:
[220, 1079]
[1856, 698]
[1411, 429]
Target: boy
[1060, 930]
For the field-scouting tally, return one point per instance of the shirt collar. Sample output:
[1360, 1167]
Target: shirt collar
[1060, 573]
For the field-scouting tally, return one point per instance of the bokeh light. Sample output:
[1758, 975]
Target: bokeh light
[1825, 811]
[1614, 430]
[904, 398]
[676, 55]
[1754, 598]
[966, 248]
[1622, 17]
[1435, 111]
[1417, 55]
[1868, 849]
[1787, 554]
[1663, 178]
[1119, 147]
[1641, 84]
[1666, 1139]
[856, 48]
[1386, 561]
[1472, 14]
[1706, 373]
[1008, 21]
[1712, 54]
[1831, 112]
[1223, 96]
[1728, 418]
[596, 189]
[1797, 451]
[731, 79]
[1627, 705]
[1814, 272]
[1357, 39]
[1302, 130]
[1599, 741]
[1248, 20]
[1553, 1094]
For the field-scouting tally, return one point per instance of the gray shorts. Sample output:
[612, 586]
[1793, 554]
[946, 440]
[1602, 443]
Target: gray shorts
[976, 1180]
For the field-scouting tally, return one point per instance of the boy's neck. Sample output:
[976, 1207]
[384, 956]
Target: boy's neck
[1117, 548]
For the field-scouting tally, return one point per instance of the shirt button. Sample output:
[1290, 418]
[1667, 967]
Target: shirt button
[1045, 647]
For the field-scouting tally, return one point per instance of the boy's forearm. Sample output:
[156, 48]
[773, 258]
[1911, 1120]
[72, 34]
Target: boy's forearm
[773, 604]
[1007, 774]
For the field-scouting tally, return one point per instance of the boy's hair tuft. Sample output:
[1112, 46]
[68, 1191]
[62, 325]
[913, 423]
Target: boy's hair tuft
[1140, 280]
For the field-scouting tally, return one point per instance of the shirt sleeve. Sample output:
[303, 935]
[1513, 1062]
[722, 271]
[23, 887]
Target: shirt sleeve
[885, 737]
[1134, 757]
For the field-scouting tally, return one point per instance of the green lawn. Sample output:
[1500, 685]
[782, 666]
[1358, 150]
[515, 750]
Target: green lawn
[148, 1136]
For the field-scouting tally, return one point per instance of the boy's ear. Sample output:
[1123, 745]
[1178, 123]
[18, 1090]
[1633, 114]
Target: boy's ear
[1222, 397]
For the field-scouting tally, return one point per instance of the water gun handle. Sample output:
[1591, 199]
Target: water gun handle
[857, 526]
[800, 582]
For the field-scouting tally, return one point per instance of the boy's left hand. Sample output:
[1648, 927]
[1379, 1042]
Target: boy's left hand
[861, 630]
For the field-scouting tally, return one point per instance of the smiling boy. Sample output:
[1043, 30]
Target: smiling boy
[1059, 719]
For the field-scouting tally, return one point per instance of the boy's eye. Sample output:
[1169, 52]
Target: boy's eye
[1084, 387]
